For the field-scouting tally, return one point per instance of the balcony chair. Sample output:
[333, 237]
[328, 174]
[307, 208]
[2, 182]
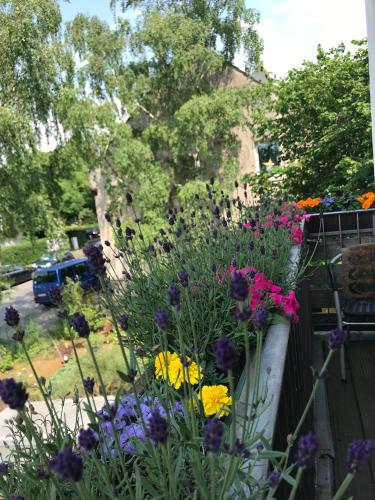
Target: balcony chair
[355, 303]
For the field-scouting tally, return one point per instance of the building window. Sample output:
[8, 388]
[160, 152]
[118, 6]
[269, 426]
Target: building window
[268, 153]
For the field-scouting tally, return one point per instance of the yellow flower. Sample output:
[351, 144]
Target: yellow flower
[215, 400]
[162, 360]
[177, 372]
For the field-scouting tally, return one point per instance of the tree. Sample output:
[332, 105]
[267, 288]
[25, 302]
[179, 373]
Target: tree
[163, 73]
[36, 70]
[320, 115]
[140, 102]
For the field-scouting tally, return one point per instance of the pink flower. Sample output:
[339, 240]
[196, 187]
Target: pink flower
[275, 288]
[296, 235]
[291, 306]
[278, 300]
[284, 219]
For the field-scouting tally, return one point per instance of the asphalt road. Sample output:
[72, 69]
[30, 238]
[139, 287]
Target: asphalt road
[21, 297]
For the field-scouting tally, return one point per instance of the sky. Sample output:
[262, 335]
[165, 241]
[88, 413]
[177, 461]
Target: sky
[291, 29]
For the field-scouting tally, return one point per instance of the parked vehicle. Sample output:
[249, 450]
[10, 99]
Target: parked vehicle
[48, 259]
[14, 275]
[56, 275]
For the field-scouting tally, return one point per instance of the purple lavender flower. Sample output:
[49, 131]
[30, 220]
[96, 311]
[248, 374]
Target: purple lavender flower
[336, 338]
[157, 427]
[89, 385]
[161, 319]
[167, 247]
[42, 474]
[327, 201]
[307, 449]
[359, 452]
[131, 434]
[68, 465]
[18, 497]
[213, 435]
[95, 259]
[107, 414]
[183, 278]
[140, 352]
[250, 246]
[214, 268]
[13, 393]
[11, 317]
[174, 296]
[274, 478]
[259, 447]
[225, 353]
[178, 408]
[55, 296]
[4, 469]
[88, 439]
[80, 325]
[123, 321]
[260, 317]
[18, 336]
[238, 287]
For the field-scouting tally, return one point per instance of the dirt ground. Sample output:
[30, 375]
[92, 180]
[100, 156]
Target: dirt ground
[44, 368]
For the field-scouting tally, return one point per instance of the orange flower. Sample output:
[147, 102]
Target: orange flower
[312, 202]
[366, 199]
[309, 202]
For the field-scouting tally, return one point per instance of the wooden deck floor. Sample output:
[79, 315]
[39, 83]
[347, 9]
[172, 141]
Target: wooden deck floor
[352, 413]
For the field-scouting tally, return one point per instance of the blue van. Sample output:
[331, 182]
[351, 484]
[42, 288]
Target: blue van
[55, 277]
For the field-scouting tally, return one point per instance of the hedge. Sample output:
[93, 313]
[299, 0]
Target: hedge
[23, 253]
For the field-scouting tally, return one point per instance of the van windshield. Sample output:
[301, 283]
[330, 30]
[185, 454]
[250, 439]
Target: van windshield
[48, 277]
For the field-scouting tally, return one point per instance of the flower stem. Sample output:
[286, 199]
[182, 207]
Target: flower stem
[344, 486]
[296, 484]
[51, 410]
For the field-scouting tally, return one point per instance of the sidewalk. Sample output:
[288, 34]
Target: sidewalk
[66, 409]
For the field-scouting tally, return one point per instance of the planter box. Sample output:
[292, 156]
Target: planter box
[285, 374]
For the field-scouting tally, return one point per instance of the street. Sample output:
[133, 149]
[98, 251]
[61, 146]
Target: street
[21, 298]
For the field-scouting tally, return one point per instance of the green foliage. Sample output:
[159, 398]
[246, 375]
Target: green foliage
[74, 300]
[31, 78]
[230, 25]
[320, 115]
[23, 253]
[77, 202]
[181, 124]
[191, 193]
[6, 357]
[109, 359]
[84, 80]
[196, 252]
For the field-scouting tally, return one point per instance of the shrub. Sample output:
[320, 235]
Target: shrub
[23, 253]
